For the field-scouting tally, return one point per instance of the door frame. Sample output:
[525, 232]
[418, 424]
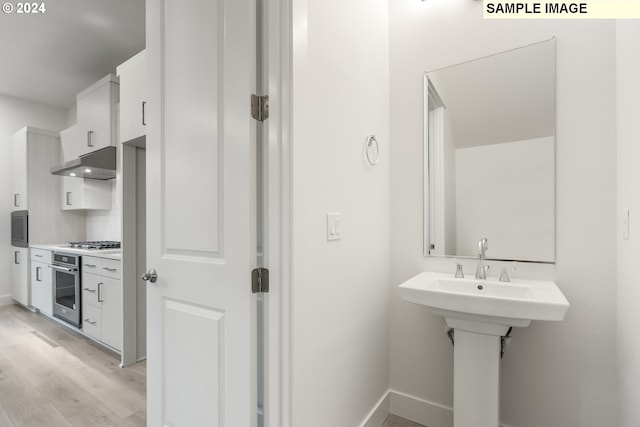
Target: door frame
[278, 215]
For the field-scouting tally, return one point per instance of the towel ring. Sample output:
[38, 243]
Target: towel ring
[372, 150]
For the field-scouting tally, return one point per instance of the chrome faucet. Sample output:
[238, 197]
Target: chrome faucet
[481, 270]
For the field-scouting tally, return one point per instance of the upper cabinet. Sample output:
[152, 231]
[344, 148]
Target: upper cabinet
[96, 124]
[20, 199]
[33, 152]
[133, 99]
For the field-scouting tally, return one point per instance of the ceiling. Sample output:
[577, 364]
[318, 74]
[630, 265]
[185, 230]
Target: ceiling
[50, 57]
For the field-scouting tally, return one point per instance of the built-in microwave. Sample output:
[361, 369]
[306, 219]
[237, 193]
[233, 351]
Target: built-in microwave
[20, 229]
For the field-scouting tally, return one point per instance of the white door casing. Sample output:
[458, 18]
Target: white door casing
[200, 213]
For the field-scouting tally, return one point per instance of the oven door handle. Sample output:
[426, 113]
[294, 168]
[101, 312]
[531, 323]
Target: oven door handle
[67, 269]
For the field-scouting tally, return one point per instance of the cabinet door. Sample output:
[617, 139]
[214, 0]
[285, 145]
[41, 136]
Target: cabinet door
[80, 193]
[41, 287]
[19, 197]
[132, 97]
[72, 193]
[95, 115]
[73, 144]
[20, 275]
[111, 298]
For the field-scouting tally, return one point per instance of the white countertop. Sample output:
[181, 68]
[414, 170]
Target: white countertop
[62, 247]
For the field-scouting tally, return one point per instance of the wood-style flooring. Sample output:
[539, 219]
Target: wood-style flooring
[53, 376]
[396, 421]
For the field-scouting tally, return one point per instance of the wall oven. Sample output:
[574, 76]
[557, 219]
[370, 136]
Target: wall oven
[20, 229]
[66, 287]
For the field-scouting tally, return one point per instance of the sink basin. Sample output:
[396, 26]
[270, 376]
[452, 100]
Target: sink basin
[481, 312]
[514, 303]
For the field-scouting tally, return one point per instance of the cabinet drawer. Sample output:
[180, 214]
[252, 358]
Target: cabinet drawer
[91, 265]
[41, 255]
[92, 321]
[91, 289]
[110, 268]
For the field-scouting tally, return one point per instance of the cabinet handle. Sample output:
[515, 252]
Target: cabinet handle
[39, 256]
[100, 292]
[38, 269]
[144, 121]
[16, 257]
[113, 270]
[68, 201]
[90, 265]
[90, 138]
[16, 200]
[89, 322]
[93, 291]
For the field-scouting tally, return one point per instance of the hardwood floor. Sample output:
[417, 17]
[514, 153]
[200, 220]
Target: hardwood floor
[52, 376]
[396, 421]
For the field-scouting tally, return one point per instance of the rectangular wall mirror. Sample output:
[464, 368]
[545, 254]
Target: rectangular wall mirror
[490, 156]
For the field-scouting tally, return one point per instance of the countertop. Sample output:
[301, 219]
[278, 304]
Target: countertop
[115, 254]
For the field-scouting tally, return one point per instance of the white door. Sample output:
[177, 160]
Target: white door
[200, 219]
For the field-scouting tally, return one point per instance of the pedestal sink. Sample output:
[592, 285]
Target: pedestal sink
[481, 311]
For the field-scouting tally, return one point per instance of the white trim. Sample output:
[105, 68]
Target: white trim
[379, 413]
[278, 216]
[6, 300]
[419, 410]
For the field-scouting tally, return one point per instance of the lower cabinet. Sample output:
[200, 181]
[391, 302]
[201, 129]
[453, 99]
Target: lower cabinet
[41, 281]
[20, 275]
[102, 301]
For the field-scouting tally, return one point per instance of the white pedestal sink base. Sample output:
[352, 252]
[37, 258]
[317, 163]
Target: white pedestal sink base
[476, 368]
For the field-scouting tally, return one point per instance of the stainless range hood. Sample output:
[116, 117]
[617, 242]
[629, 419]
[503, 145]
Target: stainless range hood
[99, 164]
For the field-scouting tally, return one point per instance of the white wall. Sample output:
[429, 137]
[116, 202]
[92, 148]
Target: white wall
[553, 374]
[501, 187]
[340, 288]
[628, 111]
[14, 115]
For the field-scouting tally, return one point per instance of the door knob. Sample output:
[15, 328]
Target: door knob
[150, 275]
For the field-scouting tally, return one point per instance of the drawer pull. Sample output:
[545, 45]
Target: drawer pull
[90, 265]
[113, 270]
[89, 322]
[93, 291]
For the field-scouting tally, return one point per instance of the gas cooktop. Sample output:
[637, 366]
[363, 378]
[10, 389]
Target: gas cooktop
[95, 244]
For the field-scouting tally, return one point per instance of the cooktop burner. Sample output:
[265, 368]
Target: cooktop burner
[95, 244]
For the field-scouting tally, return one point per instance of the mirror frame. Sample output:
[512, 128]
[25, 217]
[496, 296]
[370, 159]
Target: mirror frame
[426, 168]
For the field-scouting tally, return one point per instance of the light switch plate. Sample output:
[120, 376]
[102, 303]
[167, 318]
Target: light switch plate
[334, 226]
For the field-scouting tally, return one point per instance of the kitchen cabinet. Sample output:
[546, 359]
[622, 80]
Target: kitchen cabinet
[96, 119]
[33, 153]
[20, 200]
[41, 281]
[102, 300]
[81, 193]
[20, 275]
[132, 75]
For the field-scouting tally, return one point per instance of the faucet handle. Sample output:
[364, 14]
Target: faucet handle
[459, 273]
[504, 274]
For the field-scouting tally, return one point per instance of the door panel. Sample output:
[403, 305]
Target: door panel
[200, 213]
[194, 166]
[205, 344]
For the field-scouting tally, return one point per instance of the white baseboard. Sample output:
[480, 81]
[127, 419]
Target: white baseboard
[379, 413]
[419, 410]
[6, 300]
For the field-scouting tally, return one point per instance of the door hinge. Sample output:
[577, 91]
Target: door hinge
[260, 280]
[260, 107]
